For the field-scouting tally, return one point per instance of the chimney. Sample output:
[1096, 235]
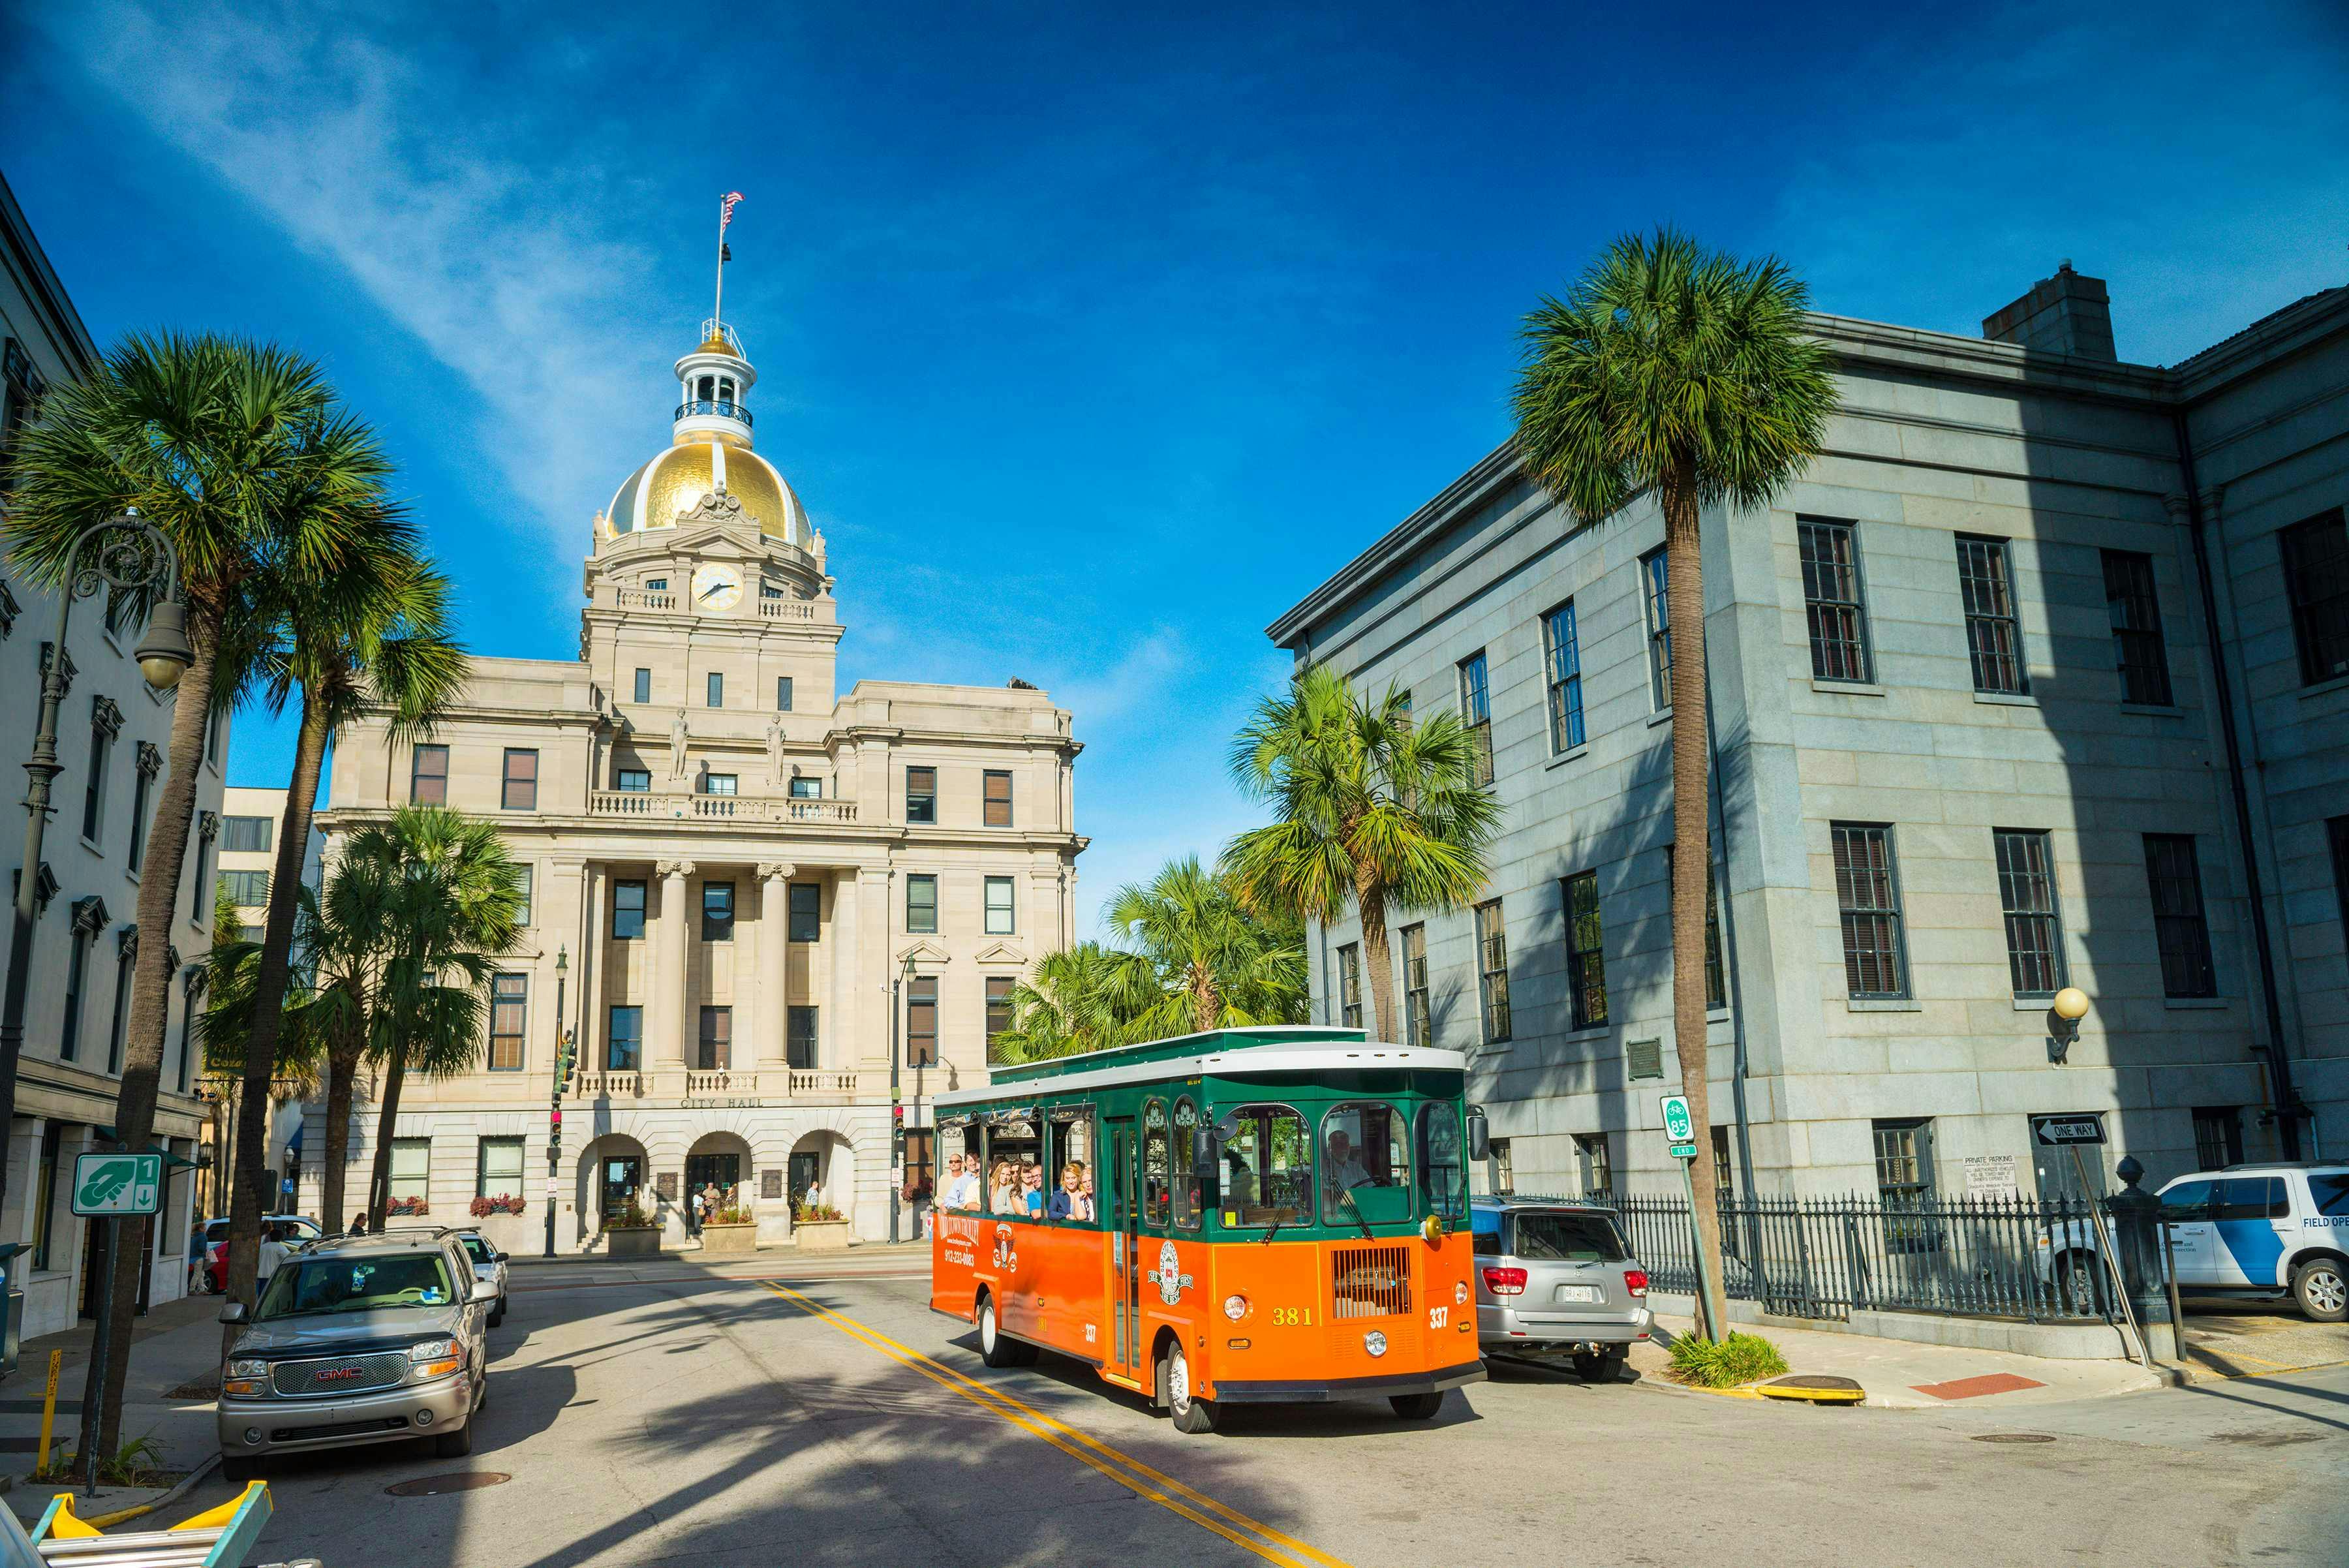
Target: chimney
[2067, 314]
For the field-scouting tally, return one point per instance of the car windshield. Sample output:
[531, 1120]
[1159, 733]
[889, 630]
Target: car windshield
[1567, 1238]
[1365, 1164]
[481, 1250]
[309, 1286]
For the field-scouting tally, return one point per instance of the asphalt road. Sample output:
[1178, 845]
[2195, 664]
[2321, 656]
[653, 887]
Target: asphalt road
[728, 1422]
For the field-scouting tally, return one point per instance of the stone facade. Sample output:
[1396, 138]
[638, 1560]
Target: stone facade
[113, 721]
[677, 792]
[2064, 471]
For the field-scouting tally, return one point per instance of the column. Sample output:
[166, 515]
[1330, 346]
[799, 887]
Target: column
[772, 979]
[836, 1034]
[665, 1035]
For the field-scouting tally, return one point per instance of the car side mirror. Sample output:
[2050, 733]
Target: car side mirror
[1480, 1133]
[235, 1312]
[486, 1291]
[497, 1257]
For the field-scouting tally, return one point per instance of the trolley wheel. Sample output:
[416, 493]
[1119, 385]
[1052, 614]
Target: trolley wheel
[1597, 1366]
[994, 1347]
[1191, 1415]
[1416, 1406]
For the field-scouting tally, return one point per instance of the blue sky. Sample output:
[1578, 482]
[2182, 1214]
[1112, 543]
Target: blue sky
[1095, 336]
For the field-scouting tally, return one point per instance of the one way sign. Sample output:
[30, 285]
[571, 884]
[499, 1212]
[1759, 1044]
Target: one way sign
[2057, 1132]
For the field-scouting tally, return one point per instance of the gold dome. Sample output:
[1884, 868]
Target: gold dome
[676, 481]
[716, 344]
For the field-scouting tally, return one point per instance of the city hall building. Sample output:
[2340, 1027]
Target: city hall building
[2037, 676]
[746, 890]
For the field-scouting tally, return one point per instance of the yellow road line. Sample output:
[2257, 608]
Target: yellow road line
[1114, 1463]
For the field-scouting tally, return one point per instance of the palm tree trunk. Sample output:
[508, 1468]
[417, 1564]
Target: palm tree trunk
[249, 1196]
[1685, 602]
[379, 1187]
[1206, 1003]
[342, 1067]
[1370, 899]
[150, 997]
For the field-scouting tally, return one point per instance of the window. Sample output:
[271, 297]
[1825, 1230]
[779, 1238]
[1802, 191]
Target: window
[21, 390]
[1365, 1164]
[525, 883]
[1418, 1028]
[715, 695]
[634, 781]
[1505, 1169]
[2249, 1198]
[1585, 960]
[628, 911]
[411, 1172]
[2026, 893]
[1157, 1188]
[125, 958]
[1725, 1172]
[1070, 1129]
[1654, 577]
[2218, 1137]
[1832, 600]
[2316, 575]
[520, 788]
[1350, 986]
[1563, 659]
[644, 691]
[508, 1016]
[246, 835]
[999, 906]
[995, 802]
[921, 795]
[921, 904]
[1492, 971]
[1267, 1174]
[77, 942]
[1186, 1180]
[806, 919]
[427, 775]
[999, 1006]
[718, 911]
[140, 791]
[200, 886]
[246, 889]
[1993, 634]
[716, 1045]
[191, 991]
[800, 1038]
[922, 1020]
[1716, 992]
[2136, 615]
[720, 784]
[1868, 894]
[1442, 1159]
[656, 584]
[1477, 712]
[93, 794]
[497, 1168]
[2174, 879]
[624, 1042]
[782, 694]
[2336, 830]
[45, 1185]
[1596, 1163]
[1904, 1161]
[806, 789]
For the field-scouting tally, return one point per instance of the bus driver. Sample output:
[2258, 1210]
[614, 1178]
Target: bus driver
[1341, 1172]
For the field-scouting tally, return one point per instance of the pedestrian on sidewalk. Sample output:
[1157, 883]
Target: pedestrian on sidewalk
[695, 1207]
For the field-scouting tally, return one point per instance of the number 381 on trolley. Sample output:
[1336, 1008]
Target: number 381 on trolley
[1251, 1216]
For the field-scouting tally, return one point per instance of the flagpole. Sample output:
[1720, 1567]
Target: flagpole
[717, 311]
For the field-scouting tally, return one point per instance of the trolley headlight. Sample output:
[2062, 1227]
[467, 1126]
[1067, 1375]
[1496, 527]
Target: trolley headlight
[1236, 1307]
[1375, 1343]
[1459, 1294]
[247, 1379]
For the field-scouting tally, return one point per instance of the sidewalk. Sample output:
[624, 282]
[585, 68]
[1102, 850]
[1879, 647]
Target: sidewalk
[864, 1254]
[1901, 1374]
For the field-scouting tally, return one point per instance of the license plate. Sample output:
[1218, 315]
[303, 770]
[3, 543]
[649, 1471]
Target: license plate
[1581, 1293]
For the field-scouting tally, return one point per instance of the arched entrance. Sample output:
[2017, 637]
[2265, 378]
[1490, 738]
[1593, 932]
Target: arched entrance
[614, 1174]
[722, 1161]
[823, 1164]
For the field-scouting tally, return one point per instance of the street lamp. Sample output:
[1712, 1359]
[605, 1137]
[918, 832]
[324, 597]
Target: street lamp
[125, 554]
[898, 984]
[562, 1044]
[2070, 1006]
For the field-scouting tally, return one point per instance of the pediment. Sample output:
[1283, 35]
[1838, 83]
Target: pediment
[923, 951]
[1002, 952]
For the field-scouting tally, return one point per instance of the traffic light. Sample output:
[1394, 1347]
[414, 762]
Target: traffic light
[566, 1066]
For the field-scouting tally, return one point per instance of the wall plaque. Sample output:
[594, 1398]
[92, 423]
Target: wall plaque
[771, 1185]
[666, 1185]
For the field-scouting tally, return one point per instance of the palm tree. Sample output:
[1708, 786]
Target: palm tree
[339, 931]
[238, 453]
[1368, 804]
[1074, 1001]
[454, 906]
[1690, 373]
[374, 636]
[1215, 966]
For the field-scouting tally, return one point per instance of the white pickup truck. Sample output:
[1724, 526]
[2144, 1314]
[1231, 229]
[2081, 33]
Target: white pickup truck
[2248, 1229]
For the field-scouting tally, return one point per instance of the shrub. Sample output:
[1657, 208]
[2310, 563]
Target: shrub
[622, 1219]
[818, 1211]
[406, 1206]
[504, 1203]
[1726, 1363]
[732, 1216]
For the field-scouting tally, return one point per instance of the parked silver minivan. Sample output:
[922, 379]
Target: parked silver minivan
[358, 1339]
[1553, 1277]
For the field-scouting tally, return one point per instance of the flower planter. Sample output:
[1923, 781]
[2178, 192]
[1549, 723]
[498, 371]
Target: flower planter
[632, 1241]
[821, 1235]
[743, 1237]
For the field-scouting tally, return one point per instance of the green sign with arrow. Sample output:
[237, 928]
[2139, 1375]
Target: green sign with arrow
[118, 1184]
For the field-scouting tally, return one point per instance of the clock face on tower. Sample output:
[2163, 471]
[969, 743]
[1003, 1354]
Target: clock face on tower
[717, 589]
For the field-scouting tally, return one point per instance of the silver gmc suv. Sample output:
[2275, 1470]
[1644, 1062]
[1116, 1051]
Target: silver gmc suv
[360, 1339]
[1553, 1276]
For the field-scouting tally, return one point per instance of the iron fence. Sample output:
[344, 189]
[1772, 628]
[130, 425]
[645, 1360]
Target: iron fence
[1827, 1257]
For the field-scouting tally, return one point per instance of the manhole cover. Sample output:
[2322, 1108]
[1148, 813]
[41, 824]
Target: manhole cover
[2014, 1437]
[461, 1480]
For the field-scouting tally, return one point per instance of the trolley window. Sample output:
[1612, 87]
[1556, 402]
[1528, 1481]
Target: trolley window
[1158, 1199]
[1268, 1169]
[1015, 1172]
[961, 1144]
[1443, 1166]
[1365, 1164]
[1070, 1175]
[1186, 1178]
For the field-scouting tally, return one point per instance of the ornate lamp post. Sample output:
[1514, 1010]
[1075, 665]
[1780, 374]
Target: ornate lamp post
[125, 554]
[564, 1065]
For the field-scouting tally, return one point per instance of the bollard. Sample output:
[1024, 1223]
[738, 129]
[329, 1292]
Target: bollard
[2137, 1237]
[49, 1409]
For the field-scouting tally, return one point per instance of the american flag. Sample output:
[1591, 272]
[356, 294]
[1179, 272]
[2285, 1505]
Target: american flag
[725, 209]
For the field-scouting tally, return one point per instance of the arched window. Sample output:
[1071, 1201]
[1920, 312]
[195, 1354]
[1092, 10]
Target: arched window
[1187, 1196]
[1156, 1190]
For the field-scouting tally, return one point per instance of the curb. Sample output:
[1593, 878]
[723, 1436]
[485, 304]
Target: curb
[187, 1484]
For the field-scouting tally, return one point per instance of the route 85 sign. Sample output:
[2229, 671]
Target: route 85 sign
[1168, 1275]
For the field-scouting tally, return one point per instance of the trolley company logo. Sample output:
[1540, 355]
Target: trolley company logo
[961, 1238]
[1168, 1275]
[1005, 1256]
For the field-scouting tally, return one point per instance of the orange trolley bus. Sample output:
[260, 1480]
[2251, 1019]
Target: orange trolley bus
[1258, 1216]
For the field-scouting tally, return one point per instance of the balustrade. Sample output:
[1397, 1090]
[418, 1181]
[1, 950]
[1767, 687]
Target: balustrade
[718, 808]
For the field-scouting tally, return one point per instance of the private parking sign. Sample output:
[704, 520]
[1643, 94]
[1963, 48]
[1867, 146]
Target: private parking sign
[117, 1184]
